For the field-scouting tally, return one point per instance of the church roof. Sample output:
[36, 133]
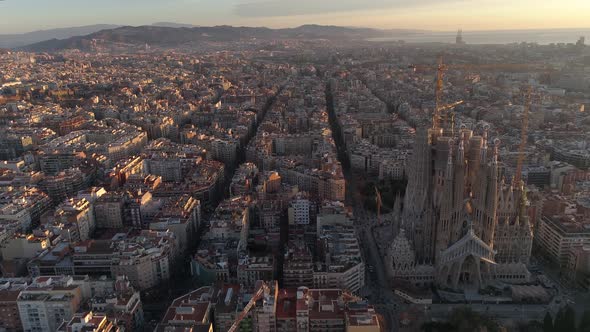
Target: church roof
[454, 251]
[470, 236]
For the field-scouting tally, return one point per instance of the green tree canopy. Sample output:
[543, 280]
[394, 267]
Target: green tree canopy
[548, 323]
[565, 320]
[585, 322]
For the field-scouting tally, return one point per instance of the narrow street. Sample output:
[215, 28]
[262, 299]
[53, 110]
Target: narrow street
[155, 301]
[377, 288]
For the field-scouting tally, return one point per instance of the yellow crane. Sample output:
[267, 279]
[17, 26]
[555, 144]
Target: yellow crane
[440, 113]
[523, 134]
[257, 296]
[379, 204]
[439, 107]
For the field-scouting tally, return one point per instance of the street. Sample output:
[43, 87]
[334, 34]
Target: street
[378, 289]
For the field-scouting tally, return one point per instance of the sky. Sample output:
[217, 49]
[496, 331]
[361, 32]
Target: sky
[19, 16]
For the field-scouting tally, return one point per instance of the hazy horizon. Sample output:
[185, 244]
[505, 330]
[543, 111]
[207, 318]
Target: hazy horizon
[453, 31]
[442, 15]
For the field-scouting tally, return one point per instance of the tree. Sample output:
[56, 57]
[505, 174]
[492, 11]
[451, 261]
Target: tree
[585, 322]
[437, 327]
[548, 323]
[565, 320]
[464, 319]
[570, 318]
[533, 326]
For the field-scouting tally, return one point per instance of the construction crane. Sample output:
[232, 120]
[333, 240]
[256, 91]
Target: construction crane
[439, 108]
[257, 296]
[440, 113]
[440, 73]
[379, 204]
[523, 135]
[481, 67]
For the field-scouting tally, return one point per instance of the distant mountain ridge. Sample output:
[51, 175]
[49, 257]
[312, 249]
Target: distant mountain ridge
[19, 40]
[173, 25]
[180, 34]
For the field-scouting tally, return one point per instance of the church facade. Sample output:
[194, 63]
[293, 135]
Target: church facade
[461, 222]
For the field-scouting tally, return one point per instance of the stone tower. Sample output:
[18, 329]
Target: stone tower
[455, 195]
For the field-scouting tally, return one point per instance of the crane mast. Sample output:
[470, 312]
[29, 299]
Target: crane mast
[379, 203]
[523, 135]
[257, 296]
[440, 111]
[440, 73]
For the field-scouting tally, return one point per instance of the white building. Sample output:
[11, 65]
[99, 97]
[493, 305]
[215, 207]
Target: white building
[224, 151]
[559, 236]
[299, 211]
[342, 265]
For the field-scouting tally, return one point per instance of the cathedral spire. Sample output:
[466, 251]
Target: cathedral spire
[496, 151]
[461, 151]
[397, 206]
[459, 39]
[449, 173]
[484, 147]
[522, 205]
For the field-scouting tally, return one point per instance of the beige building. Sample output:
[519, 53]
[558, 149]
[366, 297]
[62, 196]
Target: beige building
[23, 246]
[109, 210]
[75, 218]
[47, 302]
[146, 260]
[181, 216]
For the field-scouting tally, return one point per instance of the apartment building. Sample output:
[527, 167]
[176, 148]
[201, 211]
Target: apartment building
[559, 235]
[181, 215]
[109, 210]
[146, 259]
[75, 218]
[48, 302]
[9, 313]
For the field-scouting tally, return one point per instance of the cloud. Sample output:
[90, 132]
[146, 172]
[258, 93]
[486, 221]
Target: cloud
[267, 8]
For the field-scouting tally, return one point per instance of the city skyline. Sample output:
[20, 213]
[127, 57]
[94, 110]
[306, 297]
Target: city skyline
[31, 15]
[294, 166]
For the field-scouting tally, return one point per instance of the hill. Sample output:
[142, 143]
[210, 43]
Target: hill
[19, 40]
[170, 37]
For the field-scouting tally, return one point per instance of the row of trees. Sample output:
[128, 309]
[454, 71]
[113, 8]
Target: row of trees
[466, 320]
[565, 320]
[463, 320]
[388, 189]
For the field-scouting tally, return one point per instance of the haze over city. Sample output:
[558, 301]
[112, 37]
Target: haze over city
[294, 165]
[28, 15]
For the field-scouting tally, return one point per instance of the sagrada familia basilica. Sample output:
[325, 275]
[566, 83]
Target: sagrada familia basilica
[463, 225]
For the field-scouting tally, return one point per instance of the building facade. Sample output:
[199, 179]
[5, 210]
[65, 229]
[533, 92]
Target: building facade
[459, 215]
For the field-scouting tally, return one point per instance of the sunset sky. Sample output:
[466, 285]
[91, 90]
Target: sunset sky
[27, 15]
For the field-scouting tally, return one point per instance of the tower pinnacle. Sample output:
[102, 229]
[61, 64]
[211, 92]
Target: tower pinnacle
[459, 39]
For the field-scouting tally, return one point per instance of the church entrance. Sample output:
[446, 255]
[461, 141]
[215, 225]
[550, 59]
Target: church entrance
[469, 274]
